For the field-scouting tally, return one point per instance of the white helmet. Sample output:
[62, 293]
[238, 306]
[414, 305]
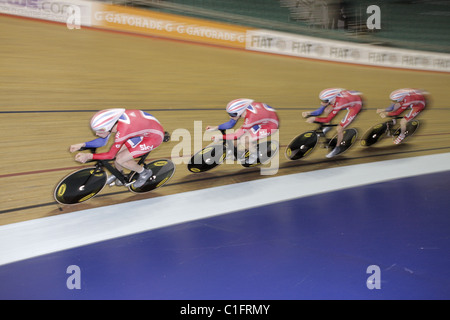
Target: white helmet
[104, 120]
[329, 94]
[400, 94]
[237, 107]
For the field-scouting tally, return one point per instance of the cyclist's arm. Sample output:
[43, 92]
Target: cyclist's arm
[394, 110]
[318, 111]
[328, 114]
[227, 125]
[111, 154]
[390, 108]
[93, 144]
[96, 143]
[234, 136]
[326, 119]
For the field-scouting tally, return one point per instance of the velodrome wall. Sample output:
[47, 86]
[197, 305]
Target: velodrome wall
[77, 14]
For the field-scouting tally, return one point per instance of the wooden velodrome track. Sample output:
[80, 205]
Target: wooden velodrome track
[53, 79]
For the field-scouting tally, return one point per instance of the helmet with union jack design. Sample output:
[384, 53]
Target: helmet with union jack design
[237, 107]
[104, 120]
[328, 95]
[399, 94]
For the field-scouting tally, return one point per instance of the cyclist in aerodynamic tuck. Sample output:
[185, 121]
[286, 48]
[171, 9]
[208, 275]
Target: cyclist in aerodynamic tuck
[136, 133]
[403, 99]
[260, 121]
[332, 101]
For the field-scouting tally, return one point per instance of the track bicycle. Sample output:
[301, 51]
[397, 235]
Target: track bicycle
[390, 128]
[214, 154]
[304, 144]
[85, 183]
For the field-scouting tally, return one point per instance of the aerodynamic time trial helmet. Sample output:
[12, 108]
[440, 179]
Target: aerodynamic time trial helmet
[399, 95]
[104, 120]
[237, 107]
[329, 94]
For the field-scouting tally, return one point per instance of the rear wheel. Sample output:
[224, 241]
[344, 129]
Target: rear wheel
[302, 145]
[207, 158]
[162, 169]
[266, 151]
[374, 134]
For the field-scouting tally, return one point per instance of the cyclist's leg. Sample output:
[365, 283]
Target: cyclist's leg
[130, 150]
[415, 110]
[345, 122]
[349, 117]
[117, 164]
[257, 133]
[112, 178]
[136, 149]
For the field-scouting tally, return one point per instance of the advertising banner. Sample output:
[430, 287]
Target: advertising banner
[167, 25]
[340, 51]
[72, 12]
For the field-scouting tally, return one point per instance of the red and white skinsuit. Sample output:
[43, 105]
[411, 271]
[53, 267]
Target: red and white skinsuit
[352, 102]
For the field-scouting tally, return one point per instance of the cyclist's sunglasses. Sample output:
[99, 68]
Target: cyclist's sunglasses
[232, 114]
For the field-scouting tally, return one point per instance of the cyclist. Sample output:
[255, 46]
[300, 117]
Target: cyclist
[136, 133]
[333, 100]
[260, 121]
[403, 99]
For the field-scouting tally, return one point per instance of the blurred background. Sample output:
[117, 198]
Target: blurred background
[421, 25]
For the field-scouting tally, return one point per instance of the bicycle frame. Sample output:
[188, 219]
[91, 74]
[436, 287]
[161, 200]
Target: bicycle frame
[107, 164]
[303, 144]
[203, 160]
[320, 132]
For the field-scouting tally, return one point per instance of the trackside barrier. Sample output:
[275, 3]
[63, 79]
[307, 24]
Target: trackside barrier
[152, 23]
[64, 11]
[77, 13]
[340, 51]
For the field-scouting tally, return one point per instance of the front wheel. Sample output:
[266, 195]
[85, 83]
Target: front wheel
[80, 186]
[207, 158]
[374, 134]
